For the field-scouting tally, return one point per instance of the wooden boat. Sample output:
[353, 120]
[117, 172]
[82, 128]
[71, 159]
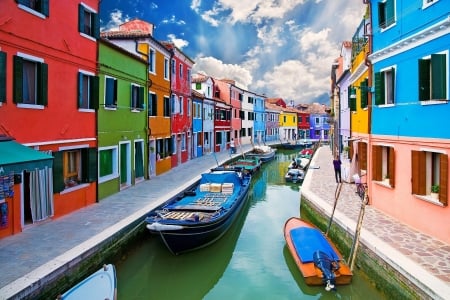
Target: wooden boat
[294, 175]
[316, 257]
[250, 165]
[201, 215]
[300, 163]
[100, 285]
[263, 153]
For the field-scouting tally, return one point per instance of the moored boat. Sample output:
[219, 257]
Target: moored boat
[250, 165]
[294, 175]
[202, 215]
[100, 285]
[263, 153]
[315, 255]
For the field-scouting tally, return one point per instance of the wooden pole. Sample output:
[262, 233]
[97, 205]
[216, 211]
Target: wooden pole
[358, 230]
[337, 192]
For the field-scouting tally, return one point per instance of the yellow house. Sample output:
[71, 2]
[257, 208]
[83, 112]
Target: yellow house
[288, 123]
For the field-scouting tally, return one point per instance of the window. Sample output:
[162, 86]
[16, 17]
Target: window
[362, 155]
[198, 86]
[427, 3]
[433, 78]
[151, 61]
[88, 21]
[383, 164]
[428, 169]
[189, 104]
[30, 81]
[218, 138]
[364, 89]
[174, 144]
[173, 67]
[137, 97]
[87, 91]
[384, 87]
[139, 159]
[110, 92]
[181, 71]
[2, 77]
[72, 167]
[183, 141]
[108, 166]
[152, 105]
[163, 147]
[181, 105]
[386, 13]
[188, 77]
[166, 107]
[166, 69]
[352, 98]
[40, 6]
[173, 103]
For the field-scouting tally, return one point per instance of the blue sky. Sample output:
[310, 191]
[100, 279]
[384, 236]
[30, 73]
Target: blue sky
[280, 48]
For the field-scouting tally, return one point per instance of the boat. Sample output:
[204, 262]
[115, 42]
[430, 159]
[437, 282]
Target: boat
[250, 165]
[315, 255]
[263, 153]
[202, 214]
[294, 175]
[100, 285]
[299, 163]
[306, 153]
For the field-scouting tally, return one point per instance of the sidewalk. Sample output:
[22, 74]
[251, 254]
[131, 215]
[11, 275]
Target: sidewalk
[425, 261]
[29, 259]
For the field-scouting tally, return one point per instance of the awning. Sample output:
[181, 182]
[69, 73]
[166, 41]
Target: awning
[15, 157]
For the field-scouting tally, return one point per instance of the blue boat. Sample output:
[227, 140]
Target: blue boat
[202, 214]
[98, 286]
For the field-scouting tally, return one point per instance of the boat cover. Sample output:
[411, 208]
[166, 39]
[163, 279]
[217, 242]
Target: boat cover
[307, 241]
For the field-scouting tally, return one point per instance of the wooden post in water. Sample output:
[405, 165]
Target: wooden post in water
[358, 230]
[337, 192]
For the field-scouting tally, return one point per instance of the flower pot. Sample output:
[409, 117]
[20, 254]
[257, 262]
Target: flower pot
[435, 195]
[386, 181]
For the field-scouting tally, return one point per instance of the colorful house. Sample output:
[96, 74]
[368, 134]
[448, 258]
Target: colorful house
[180, 82]
[205, 85]
[33, 65]
[197, 123]
[237, 114]
[259, 134]
[272, 116]
[222, 124]
[408, 165]
[136, 37]
[121, 119]
[248, 100]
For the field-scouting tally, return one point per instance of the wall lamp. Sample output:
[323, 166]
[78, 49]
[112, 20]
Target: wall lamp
[353, 88]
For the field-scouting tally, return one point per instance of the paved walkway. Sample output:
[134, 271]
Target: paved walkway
[38, 251]
[421, 258]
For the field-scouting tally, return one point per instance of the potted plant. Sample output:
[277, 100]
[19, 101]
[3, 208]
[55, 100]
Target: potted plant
[386, 179]
[435, 191]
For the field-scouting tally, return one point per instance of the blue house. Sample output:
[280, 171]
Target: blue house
[410, 112]
[260, 121]
[197, 123]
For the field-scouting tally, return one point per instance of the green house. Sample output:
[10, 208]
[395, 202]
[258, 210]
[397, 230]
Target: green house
[122, 119]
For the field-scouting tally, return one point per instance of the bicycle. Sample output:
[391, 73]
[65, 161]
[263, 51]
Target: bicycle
[361, 189]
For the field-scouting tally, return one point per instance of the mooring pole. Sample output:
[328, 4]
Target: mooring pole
[358, 230]
[337, 192]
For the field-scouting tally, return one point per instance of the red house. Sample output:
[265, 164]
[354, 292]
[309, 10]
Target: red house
[181, 103]
[48, 101]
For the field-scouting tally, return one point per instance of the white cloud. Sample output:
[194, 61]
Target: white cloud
[116, 18]
[179, 43]
[173, 20]
[216, 68]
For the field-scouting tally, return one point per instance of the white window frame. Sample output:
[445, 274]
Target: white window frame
[115, 164]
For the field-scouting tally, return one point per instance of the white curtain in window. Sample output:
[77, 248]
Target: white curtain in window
[41, 194]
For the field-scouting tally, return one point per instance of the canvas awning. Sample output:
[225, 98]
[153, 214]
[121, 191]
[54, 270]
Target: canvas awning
[15, 157]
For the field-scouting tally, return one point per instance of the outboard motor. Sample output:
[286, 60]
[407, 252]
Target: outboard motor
[328, 266]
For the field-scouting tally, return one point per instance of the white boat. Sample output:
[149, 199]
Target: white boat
[100, 285]
[294, 175]
[264, 153]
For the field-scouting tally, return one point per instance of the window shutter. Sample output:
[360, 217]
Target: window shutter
[352, 100]
[43, 84]
[438, 70]
[45, 8]
[80, 89]
[364, 93]
[393, 84]
[424, 80]
[141, 98]
[418, 172]
[80, 17]
[2, 76]
[390, 19]
[94, 92]
[114, 100]
[58, 177]
[89, 164]
[362, 155]
[96, 25]
[391, 166]
[443, 179]
[18, 80]
[377, 162]
[379, 89]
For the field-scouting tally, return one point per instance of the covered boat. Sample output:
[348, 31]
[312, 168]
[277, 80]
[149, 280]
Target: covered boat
[263, 153]
[315, 255]
[100, 285]
[251, 164]
[203, 214]
[294, 175]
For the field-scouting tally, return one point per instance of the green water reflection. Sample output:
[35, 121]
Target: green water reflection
[250, 262]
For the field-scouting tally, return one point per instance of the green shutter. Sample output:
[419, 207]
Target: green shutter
[364, 93]
[390, 18]
[352, 100]
[89, 164]
[18, 80]
[393, 84]
[45, 10]
[58, 175]
[438, 76]
[94, 92]
[379, 88]
[42, 84]
[424, 79]
[141, 99]
[80, 18]
[2, 76]
[96, 26]
[80, 89]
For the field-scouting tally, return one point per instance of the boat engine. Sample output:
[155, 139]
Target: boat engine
[328, 266]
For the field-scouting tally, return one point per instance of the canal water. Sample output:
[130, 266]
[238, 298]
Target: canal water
[251, 261]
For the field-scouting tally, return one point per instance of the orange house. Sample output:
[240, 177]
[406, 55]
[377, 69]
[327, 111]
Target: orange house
[49, 104]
